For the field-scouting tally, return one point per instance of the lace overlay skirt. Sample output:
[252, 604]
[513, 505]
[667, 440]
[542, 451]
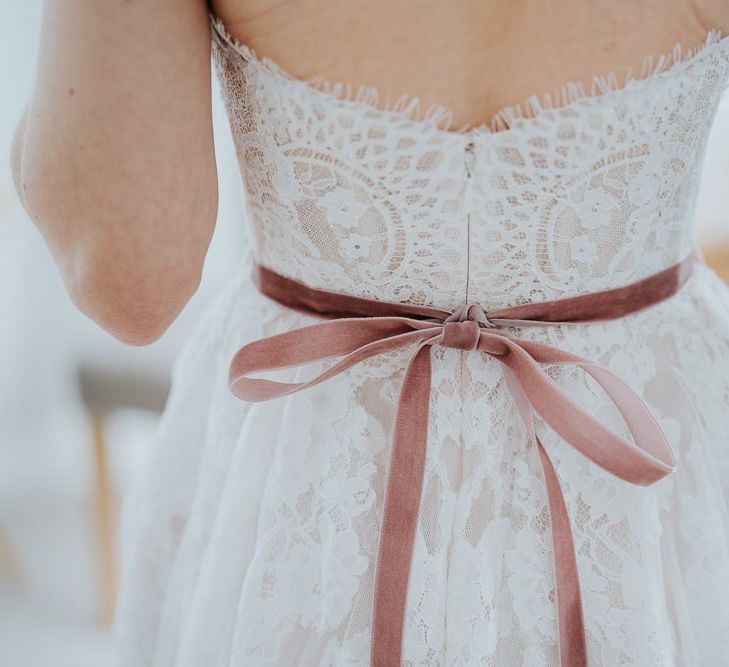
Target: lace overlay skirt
[250, 535]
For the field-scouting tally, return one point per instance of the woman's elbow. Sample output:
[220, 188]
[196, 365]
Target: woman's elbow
[134, 306]
[129, 263]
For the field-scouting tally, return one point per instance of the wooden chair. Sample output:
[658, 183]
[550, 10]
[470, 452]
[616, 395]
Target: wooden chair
[717, 257]
[104, 390]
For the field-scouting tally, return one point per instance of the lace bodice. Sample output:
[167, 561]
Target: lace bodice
[576, 191]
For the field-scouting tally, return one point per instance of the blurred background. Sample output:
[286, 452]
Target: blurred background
[77, 407]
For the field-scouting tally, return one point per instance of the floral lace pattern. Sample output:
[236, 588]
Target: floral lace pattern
[251, 537]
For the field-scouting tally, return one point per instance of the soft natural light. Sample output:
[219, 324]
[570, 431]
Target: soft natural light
[66, 455]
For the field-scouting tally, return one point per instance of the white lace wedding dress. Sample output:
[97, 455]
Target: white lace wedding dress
[250, 536]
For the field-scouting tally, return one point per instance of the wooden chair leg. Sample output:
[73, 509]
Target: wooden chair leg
[9, 561]
[105, 522]
[717, 257]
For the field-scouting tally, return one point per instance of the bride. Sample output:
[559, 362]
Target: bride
[498, 434]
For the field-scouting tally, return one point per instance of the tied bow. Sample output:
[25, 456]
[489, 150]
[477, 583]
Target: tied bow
[469, 328]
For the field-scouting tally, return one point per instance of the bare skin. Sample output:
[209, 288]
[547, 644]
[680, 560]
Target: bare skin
[114, 159]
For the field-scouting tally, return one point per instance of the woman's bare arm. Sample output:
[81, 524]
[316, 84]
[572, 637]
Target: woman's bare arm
[114, 157]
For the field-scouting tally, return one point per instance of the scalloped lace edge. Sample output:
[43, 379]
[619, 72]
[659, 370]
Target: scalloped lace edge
[410, 107]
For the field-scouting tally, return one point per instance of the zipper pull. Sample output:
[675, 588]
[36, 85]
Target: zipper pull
[470, 146]
[468, 161]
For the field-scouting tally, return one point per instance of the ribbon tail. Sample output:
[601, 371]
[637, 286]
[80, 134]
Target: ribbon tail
[401, 509]
[570, 618]
[572, 637]
[643, 462]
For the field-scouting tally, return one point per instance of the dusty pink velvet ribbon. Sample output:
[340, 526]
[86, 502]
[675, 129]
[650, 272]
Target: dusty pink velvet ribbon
[358, 328]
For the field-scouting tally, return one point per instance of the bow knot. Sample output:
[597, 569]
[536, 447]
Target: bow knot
[470, 312]
[460, 335]
[462, 328]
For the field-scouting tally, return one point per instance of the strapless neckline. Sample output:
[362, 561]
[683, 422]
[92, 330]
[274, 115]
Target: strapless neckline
[438, 118]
